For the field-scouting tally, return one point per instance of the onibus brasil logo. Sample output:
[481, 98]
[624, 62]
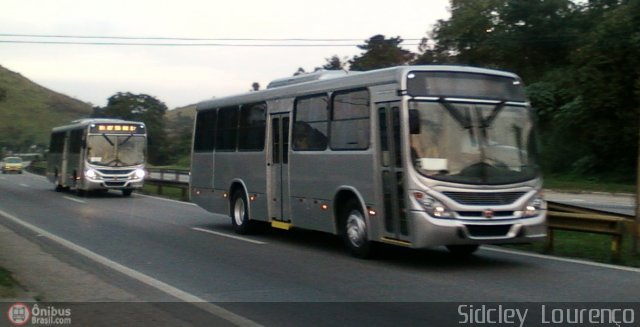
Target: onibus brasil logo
[19, 314]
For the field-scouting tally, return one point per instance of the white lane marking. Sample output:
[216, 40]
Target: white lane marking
[23, 185]
[228, 235]
[165, 199]
[74, 200]
[548, 257]
[148, 280]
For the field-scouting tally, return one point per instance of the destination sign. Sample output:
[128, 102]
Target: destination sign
[118, 128]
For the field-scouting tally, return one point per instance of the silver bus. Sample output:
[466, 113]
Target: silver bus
[98, 155]
[416, 156]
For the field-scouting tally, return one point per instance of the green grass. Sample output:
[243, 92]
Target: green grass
[167, 191]
[586, 246]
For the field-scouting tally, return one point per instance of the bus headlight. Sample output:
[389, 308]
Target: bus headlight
[140, 173]
[90, 173]
[534, 207]
[433, 207]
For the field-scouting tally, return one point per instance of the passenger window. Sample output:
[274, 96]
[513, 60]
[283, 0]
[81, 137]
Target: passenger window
[310, 123]
[350, 129]
[227, 132]
[204, 140]
[252, 127]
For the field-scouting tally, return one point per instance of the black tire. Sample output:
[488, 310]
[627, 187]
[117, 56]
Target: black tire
[464, 250]
[240, 213]
[354, 230]
[127, 192]
[59, 188]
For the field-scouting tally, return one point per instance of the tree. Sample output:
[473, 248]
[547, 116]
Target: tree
[335, 63]
[144, 108]
[381, 52]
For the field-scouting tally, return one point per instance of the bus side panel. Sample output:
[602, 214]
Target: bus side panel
[252, 167]
[73, 169]
[54, 167]
[315, 178]
[201, 179]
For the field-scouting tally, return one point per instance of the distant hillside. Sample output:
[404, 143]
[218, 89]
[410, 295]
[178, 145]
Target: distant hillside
[180, 120]
[186, 111]
[28, 111]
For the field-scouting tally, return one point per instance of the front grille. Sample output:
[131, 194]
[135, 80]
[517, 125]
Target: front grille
[479, 214]
[115, 172]
[488, 230]
[472, 198]
[114, 184]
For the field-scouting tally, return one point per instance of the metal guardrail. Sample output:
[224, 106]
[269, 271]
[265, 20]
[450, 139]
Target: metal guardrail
[175, 178]
[562, 216]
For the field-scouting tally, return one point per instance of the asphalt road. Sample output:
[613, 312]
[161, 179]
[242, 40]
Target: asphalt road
[295, 278]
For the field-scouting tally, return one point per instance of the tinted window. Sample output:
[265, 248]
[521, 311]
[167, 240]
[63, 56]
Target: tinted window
[204, 140]
[252, 127]
[75, 143]
[350, 120]
[57, 142]
[311, 123]
[227, 132]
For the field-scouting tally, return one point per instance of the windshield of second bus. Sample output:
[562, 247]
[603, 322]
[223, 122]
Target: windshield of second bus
[475, 143]
[116, 150]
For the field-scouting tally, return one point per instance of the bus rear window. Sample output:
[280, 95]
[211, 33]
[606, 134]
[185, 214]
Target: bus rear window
[465, 85]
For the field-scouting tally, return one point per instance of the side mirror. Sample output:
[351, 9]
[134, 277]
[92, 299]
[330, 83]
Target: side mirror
[414, 121]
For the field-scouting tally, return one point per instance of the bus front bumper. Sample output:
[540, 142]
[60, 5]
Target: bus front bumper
[114, 184]
[431, 231]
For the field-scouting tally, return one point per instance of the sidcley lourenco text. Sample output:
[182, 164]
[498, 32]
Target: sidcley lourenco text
[552, 314]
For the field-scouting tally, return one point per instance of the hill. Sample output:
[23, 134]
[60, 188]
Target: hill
[28, 111]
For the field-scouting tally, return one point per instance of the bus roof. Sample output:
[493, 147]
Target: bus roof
[302, 85]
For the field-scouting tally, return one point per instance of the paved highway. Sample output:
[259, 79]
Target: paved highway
[294, 278]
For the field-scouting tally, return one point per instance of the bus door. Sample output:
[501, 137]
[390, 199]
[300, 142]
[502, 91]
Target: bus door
[278, 166]
[391, 169]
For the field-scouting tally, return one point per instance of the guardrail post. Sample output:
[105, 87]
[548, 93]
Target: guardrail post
[616, 248]
[548, 245]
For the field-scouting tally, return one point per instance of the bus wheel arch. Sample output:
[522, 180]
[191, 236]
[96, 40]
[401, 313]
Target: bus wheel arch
[352, 223]
[239, 209]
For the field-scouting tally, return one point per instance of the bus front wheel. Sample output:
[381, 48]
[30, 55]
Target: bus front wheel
[355, 230]
[240, 213]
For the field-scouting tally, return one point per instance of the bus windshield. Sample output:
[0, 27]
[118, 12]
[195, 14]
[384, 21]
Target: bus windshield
[116, 150]
[473, 143]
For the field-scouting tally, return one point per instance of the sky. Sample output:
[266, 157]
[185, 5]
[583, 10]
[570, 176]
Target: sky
[183, 73]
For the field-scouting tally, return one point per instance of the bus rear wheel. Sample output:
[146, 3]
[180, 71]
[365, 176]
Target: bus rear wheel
[355, 230]
[240, 213]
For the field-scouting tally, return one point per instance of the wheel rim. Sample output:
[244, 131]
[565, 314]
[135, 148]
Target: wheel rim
[356, 228]
[238, 211]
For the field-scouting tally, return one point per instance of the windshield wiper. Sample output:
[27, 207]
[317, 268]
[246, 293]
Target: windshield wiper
[487, 122]
[464, 121]
[108, 140]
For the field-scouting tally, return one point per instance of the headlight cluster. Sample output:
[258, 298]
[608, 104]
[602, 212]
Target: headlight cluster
[534, 207]
[433, 207]
[140, 173]
[90, 173]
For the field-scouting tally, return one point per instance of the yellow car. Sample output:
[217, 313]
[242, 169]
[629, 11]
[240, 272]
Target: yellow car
[12, 164]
